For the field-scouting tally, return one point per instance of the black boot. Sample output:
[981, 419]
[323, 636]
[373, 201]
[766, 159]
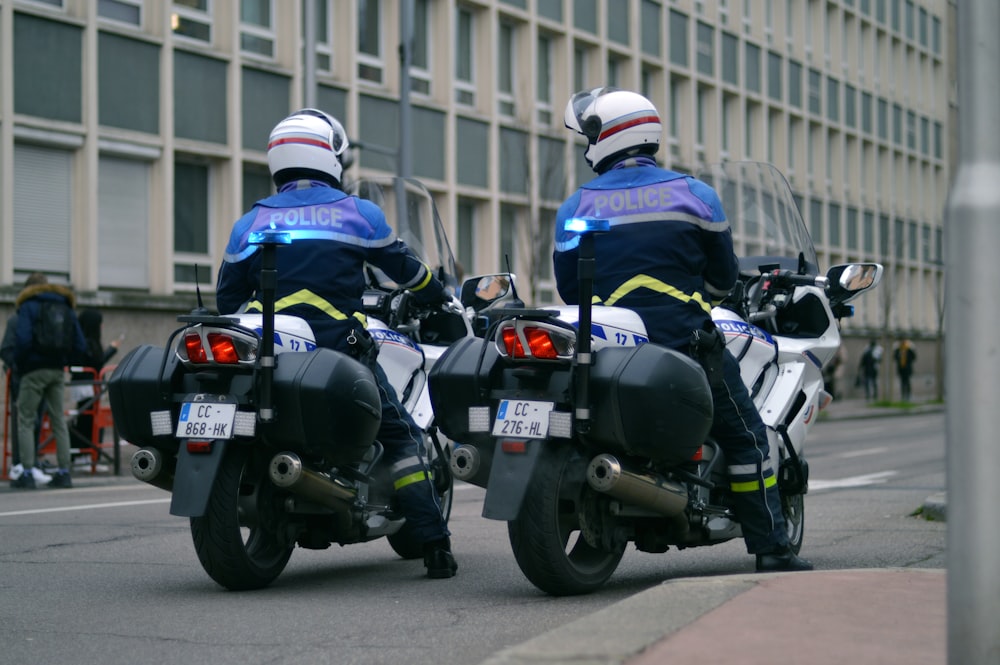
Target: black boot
[438, 559]
[782, 559]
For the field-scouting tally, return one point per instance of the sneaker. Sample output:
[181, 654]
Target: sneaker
[41, 478]
[25, 481]
[61, 480]
[438, 559]
[15, 472]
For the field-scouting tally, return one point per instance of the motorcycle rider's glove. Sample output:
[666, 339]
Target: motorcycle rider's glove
[708, 344]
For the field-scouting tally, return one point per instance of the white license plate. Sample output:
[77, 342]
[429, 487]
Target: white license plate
[522, 418]
[206, 420]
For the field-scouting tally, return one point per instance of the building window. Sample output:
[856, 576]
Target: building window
[43, 195]
[678, 38]
[833, 99]
[508, 238]
[543, 79]
[321, 28]
[580, 78]
[465, 219]
[465, 65]
[192, 258]
[706, 49]
[815, 92]
[506, 69]
[420, 59]
[650, 27]
[192, 19]
[774, 75]
[256, 27]
[122, 230]
[730, 59]
[122, 11]
[752, 65]
[370, 65]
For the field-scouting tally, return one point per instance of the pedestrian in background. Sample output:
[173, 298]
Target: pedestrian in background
[84, 391]
[868, 368]
[904, 356]
[47, 335]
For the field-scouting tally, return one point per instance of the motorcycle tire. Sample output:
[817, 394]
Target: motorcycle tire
[236, 542]
[793, 510]
[546, 538]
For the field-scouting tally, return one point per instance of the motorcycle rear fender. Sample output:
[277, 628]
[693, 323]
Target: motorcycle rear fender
[195, 478]
[510, 475]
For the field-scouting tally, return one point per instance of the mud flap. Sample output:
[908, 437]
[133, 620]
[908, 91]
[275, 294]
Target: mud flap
[510, 475]
[194, 479]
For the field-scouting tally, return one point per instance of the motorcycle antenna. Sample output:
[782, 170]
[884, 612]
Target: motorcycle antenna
[200, 309]
[510, 277]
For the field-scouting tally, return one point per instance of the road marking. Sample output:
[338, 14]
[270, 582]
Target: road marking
[853, 481]
[91, 506]
[865, 452]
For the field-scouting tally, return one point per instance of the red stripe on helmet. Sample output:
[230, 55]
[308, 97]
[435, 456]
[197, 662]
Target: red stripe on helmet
[302, 140]
[626, 124]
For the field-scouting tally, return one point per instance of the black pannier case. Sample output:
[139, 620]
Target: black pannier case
[136, 388]
[326, 404]
[650, 401]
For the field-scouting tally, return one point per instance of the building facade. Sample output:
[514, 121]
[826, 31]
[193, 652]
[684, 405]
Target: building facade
[133, 132]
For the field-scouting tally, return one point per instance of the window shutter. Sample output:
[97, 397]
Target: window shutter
[42, 209]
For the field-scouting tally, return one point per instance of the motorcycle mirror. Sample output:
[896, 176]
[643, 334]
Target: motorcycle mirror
[849, 280]
[478, 292]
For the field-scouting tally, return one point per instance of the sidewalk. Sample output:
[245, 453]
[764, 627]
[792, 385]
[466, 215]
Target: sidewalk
[873, 616]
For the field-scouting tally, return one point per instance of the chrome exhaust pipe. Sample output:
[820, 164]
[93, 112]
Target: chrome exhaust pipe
[288, 472]
[465, 461]
[646, 490]
[148, 466]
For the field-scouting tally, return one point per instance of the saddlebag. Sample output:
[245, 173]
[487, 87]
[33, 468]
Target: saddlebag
[650, 401]
[461, 378]
[137, 389]
[326, 404]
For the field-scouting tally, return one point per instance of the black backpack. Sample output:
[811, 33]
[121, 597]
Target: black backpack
[54, 330]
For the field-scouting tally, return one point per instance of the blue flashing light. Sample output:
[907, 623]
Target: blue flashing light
[586, 225]
[270, 237]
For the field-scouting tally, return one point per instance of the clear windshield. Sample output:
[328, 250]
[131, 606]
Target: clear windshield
[420, 227]
[760, 207]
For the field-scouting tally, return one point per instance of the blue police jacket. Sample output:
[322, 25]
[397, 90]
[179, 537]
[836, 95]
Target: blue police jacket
[668, 254]
[321, 273]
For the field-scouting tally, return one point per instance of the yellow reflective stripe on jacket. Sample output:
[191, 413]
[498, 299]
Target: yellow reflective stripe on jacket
[417, 477]
[653, 284]
[307, 297]
[424, 282]
[753, 485]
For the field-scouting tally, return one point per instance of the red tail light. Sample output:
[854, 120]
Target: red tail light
[543, 343]
[223, 349]
[195, 350]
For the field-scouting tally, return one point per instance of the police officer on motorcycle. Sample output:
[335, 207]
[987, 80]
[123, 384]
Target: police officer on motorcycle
[668, 255]
[321, 279]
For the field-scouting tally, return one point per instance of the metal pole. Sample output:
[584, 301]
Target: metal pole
[973, 233]
[309, 54]
[403, 162]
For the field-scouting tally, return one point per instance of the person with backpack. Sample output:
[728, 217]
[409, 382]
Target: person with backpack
[47, 335]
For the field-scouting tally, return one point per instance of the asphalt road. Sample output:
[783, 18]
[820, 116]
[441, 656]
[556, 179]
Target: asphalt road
[103, 574]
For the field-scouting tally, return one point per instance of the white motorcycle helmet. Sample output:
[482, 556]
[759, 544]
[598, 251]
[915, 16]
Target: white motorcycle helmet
[615, 122]
[307, 144]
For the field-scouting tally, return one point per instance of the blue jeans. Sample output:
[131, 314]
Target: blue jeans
[742, 435]
[47, 384]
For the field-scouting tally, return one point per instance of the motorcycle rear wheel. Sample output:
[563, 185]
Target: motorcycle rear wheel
[793, 510]
[236, 538]
[546, 536]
